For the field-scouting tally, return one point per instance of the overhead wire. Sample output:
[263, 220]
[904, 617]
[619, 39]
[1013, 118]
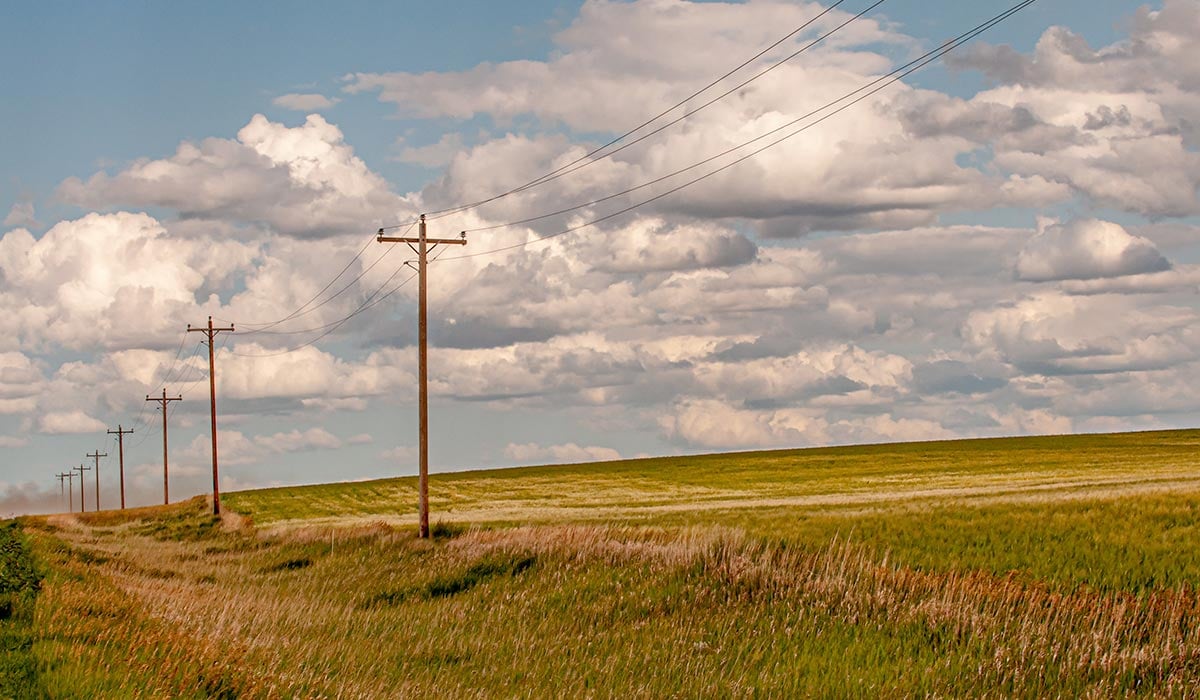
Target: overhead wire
[374, 299]
[686, 115]
[303, 309]
[579, 162]
[888, 80]
[554, 174]
[871, 88]
[331, 327]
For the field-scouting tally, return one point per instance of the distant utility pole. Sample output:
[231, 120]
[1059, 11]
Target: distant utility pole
[424, 246]
[163, 403]
[211, 333]
[97, 456]
[81, 469]
[62, 487]
[121, 433]
[70, 490]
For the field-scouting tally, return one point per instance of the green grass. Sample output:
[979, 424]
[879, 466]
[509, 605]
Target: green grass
[20, 581]
[1109, 511]
[1063, 566]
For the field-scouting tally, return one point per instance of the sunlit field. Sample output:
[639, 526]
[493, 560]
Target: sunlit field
[1062, 566]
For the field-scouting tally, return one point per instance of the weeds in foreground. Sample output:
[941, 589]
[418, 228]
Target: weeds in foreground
[20, 582]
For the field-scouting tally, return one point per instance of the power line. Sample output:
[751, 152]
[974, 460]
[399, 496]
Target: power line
[303, 309]
[688, 114]
[887, 80]
[365, 306]
[362, 274]
[555, 174]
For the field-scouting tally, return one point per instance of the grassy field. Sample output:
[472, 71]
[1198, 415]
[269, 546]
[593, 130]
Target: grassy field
[1064, 566]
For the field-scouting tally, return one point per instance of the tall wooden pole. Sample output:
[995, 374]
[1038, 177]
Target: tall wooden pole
[82, 504]
[121, 433]
[422, 250]
[210, 333]
[97, 455]
[162, 402]
[423, 378]
[62, 488]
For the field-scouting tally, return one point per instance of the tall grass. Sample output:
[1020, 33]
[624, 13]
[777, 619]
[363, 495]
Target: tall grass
[578, 610]
[1048, 567]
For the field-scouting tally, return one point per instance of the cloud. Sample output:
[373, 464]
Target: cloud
[66, 422]
[21, 381]
[299, 441]
[644, 48]
[434, 155]
[304, 102]
[720, 425]
[73, 288]
[559, 454]
[865, 171]
[236, 448]
[21, 214]
[399, 454]
[1086, 249]
[1117, 124]
[302, 181]
[1054, 333]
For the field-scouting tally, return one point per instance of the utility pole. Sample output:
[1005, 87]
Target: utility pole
[121, 433]
[424, 246]
[211, 333]
[163, 403]
[70, 490]
[97, 455]
[62, 486]
[81, 469]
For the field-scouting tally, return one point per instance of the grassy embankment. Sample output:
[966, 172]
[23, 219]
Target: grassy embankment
[1048, 566]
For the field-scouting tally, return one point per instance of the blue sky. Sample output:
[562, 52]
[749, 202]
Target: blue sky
[1048, 193]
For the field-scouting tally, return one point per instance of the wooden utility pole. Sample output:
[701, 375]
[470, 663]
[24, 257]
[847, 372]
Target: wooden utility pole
[70, 490]
[423, 247]
[97, 456]
[81, 469]
[163, 407]
[121, 433]
[62, 487]
[211, 333]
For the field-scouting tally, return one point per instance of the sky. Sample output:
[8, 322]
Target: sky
[1003, 243]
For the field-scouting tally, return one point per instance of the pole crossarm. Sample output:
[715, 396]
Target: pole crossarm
[211, 332]
[428, 241]
[163, 407]
[422, 244]
[121, 433]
